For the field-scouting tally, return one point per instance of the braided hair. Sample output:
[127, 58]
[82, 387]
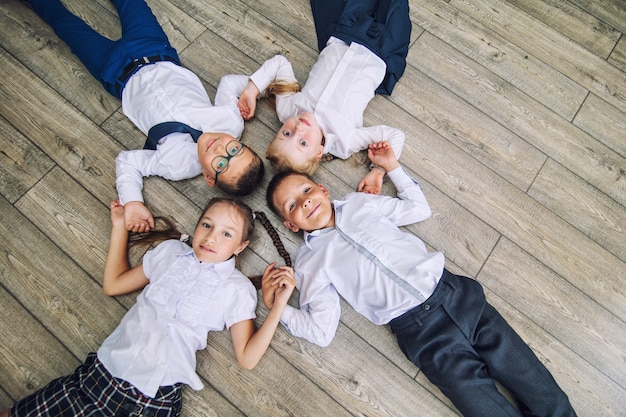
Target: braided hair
[274, 235]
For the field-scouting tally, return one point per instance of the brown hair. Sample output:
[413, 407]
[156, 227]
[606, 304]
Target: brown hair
[278, 244]
[169, 231]
[248, 182]
[273, 185]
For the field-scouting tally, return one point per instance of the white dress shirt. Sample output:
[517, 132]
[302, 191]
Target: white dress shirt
[379, 269]
[165, 92]
[340, 85]
[155, 344]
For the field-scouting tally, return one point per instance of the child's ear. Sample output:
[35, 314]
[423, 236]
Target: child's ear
[324, 189]
[208, 178]
[291, 226]
[320, 153]
[241, 247]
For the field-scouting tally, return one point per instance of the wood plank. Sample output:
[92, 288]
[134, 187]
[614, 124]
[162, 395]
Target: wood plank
[296, 19]
[553, 135]
[58, 128]
[604, 122]
[31, 41]
[359, 377]
[499, 55]
[584, 326]
[52, 287]
[71, 218]
[5, 400]
[21, 164]
[582, 206]
[207, 403]
[31, 355]
[233, 20]
[611, 11]
[268, 390]
[467, 127]
[618, 56]
[548, 45]
[573, 22]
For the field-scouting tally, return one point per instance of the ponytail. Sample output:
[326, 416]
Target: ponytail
[167, 231]
[277, 88]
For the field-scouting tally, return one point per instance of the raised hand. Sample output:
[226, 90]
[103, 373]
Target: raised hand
[117, 215]
[382, 155]
[247, 101]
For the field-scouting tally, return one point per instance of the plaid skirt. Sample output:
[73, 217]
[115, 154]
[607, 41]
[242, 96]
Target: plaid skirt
[92, 391]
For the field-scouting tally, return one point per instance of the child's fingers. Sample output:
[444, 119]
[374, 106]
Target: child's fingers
[269, 269]
[281, 277]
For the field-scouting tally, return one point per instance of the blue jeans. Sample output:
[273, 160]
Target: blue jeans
[462, 344]
[104, 58]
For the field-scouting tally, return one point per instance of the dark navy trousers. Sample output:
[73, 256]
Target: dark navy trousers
[383, 26]
[462, 345]
[142, 36]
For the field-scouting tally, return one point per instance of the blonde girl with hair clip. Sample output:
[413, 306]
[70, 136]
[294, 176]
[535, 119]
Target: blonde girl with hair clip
[363, 46]
[188, 291]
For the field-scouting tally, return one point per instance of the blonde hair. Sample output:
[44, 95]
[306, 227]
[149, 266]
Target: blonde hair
[282, 162]
[279, 160]
[277, 88]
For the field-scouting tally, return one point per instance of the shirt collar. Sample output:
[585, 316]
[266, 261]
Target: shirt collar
[222, 269]
[310, 236]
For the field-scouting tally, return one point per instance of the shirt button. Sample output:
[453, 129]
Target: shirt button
[426, 307]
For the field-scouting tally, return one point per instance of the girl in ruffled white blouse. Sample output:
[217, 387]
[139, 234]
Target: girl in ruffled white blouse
[189, 291]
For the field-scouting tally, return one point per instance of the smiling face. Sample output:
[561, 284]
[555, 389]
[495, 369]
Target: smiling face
[214, 145]
[299, 139]
[303, 204]
[219, 233]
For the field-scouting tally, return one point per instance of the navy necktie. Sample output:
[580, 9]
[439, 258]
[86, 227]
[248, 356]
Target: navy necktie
[156, 132]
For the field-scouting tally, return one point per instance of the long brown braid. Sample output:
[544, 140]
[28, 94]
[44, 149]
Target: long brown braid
[274, 235]
[278, 244]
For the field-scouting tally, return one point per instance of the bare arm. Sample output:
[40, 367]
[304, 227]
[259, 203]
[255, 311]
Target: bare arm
[251, 345]
[119, 277]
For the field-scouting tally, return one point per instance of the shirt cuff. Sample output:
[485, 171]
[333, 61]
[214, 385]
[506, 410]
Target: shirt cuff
[400, 178]
[127, 193]
[258, 78]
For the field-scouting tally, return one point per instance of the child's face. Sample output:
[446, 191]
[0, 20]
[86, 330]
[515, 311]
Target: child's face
[300, 137]
[218, 151]
[219, 234]
[304, 204]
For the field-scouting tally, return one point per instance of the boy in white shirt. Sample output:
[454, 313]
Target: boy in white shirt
[143, 70]
[354, 248]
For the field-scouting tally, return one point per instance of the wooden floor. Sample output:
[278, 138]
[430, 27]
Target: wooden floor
[515, 115]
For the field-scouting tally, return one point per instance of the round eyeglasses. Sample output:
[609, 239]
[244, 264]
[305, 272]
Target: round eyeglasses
[220, 163]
